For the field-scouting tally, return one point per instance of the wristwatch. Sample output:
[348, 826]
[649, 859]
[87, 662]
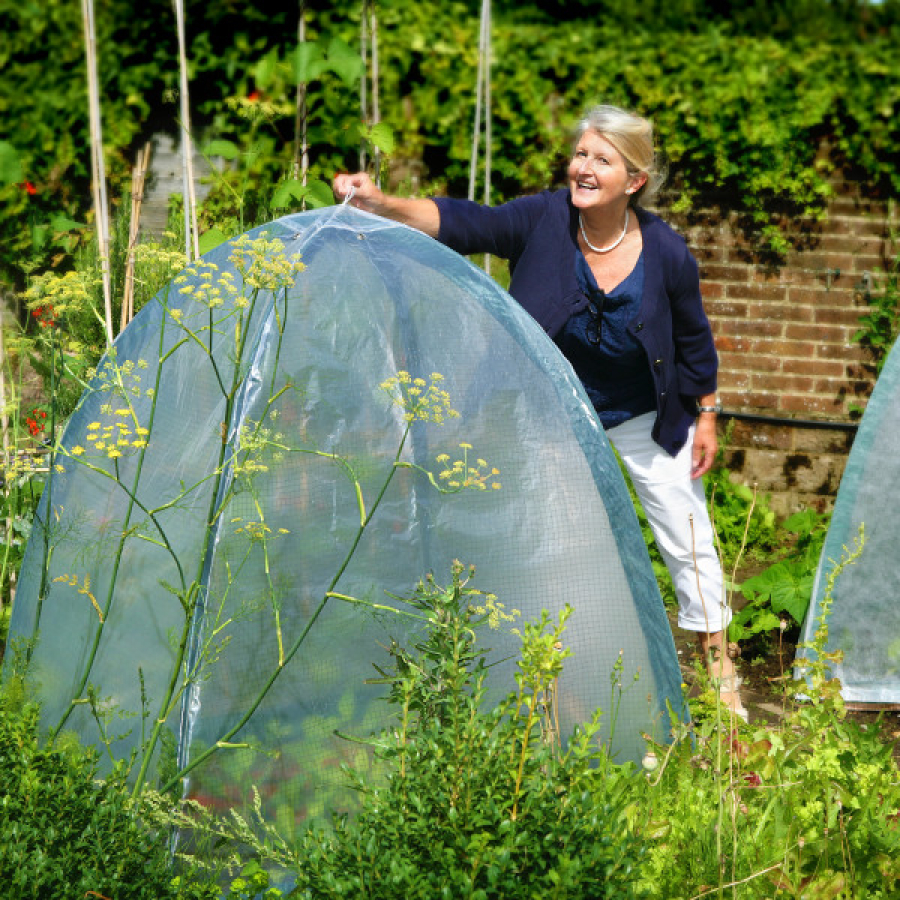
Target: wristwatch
[710, 409]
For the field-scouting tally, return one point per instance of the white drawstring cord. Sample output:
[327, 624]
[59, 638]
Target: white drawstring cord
[349, 195]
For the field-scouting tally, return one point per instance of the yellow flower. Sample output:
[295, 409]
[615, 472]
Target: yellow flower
[77, 450]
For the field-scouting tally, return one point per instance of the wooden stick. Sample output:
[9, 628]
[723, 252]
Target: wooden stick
[300, 167]
[101, 211]
[138, 175]
[192, 249]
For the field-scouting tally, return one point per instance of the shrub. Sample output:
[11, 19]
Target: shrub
[65, 833]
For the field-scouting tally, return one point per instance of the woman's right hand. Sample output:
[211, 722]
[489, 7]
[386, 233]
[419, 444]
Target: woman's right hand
[420, 213]
[365, 193]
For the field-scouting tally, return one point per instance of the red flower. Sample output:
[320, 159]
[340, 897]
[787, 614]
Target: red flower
[28, 187]
[254, 96]
[31, 422]
[45, 315]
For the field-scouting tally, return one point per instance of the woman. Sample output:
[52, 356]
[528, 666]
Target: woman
[619, 293]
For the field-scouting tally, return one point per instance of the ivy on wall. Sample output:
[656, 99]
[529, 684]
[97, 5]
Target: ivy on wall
[738, 113]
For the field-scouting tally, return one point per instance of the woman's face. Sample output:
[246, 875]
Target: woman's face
[598, 176]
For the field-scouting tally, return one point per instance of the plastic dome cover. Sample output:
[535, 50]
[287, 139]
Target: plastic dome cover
[864, 619]
[246, 395]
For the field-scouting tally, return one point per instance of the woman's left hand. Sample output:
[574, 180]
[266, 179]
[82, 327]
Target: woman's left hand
[706, 444]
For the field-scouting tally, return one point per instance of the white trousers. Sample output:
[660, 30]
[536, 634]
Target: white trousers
[675, 505]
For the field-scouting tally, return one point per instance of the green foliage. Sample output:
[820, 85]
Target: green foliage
[740, 107]
[742, 518]
[880, 324]
[807, 808]
[65, 833]
[781, 593]
[478, 802]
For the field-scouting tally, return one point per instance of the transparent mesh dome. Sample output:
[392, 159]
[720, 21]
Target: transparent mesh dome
[864, 621]
[215, 476]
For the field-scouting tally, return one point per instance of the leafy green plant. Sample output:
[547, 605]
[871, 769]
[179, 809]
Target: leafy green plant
[784, 588]
[66, 833]
[478, 800]
[880, 324]
[806, 808]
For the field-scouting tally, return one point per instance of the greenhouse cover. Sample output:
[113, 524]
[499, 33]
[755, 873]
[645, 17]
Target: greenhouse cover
[863, 618]
[305, 423]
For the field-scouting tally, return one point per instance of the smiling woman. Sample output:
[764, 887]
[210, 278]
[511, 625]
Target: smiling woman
[618, 291]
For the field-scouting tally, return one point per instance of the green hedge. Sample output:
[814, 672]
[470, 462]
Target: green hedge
[740, 113]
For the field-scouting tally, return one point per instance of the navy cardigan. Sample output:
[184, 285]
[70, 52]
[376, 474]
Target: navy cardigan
[538, 235]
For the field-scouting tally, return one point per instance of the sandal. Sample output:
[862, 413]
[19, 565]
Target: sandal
[728, 688]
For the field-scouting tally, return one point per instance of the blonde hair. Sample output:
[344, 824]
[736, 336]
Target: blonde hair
[632, 136]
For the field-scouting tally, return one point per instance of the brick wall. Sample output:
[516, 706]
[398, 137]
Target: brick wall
[790, 372]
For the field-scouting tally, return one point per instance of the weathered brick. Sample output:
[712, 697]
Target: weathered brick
[835, 315]
[819, 295]
[726, 307]
[859, 227]
[729, 343]
[736, 362]
[751, 401]
[841, 350]
[727, 272]
[766, 293]
[826, 406]
[871, 245]
[762, 434]
[784, 311]
[824, 333]
[706, 253]
[734, 380]
[781, 382]
[833, 369]
[779, 348]
[749, 328]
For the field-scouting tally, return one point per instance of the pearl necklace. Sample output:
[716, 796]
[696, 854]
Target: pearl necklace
[611, 246]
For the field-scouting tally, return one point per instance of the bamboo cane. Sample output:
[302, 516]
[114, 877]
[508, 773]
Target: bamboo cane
[363, 81]
[300, 168]
[138, 175]
[376, 109]
[483, 94]
[101, 210]
[191, 239]
[4, 428]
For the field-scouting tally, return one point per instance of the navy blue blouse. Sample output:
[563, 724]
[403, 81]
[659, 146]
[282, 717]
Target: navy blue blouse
[538, 234]
[606, 357]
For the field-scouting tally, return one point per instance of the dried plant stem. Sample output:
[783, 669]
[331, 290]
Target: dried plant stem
[735, 884]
